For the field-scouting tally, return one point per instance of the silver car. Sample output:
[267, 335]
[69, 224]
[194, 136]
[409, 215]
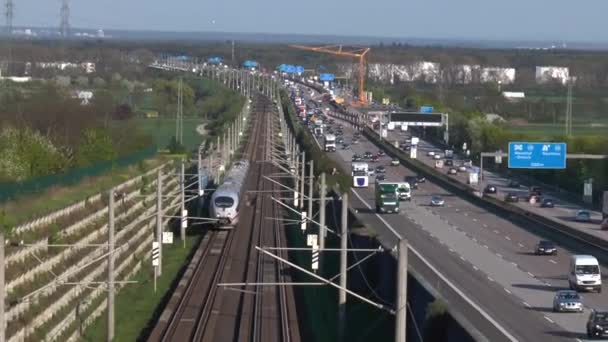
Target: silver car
[582, 216]
[437, 201]
[567, 300]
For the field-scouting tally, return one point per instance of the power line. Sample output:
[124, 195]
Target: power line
[64, 13]
[9, 9]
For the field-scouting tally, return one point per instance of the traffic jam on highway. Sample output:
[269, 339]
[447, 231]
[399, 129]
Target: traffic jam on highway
[544, 273]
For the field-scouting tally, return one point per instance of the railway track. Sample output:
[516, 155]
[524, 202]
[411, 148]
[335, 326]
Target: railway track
[202, 311]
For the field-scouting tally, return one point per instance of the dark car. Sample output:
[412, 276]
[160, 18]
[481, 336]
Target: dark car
[490, 189]
[413, 181]
[381, 153]
[547, 203]
[513, 183]
[511, 197]
[545, 247]
[368, 155]
[380, 169]
[421, 179]
[448, 162]
[536, 190]
[597, 325]
[356, 158]
[380, 177]
[375, 159]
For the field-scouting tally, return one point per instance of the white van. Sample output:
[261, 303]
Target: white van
[404, 191]
[584, 273]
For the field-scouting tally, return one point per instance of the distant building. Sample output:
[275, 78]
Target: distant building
[15, 78]
[493, 118]
[88, 67]
[514, 95]
[497, 74]
[546, 74]
[85, 96]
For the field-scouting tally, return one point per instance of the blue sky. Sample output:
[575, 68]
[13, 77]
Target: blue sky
[486, 19]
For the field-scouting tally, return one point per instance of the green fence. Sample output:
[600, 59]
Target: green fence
[12, 190]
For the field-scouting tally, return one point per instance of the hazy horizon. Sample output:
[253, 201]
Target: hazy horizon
[541, 20]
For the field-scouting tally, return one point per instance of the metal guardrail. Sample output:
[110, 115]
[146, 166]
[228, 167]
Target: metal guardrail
[528, 219]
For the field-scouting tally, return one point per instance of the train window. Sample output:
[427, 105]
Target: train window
[224, 202]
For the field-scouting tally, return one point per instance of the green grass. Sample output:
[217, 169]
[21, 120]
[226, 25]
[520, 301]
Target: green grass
[553, 130]
[163, 129]
[28, 207]
[136, 303]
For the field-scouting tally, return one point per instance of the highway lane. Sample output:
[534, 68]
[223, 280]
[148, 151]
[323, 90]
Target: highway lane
[503, 239]
[499, 237]
[563, 212]
[495, 304]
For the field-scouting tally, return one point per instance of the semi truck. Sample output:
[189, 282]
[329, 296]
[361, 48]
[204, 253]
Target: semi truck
[360, 174]
[387, 199]
[330, 143]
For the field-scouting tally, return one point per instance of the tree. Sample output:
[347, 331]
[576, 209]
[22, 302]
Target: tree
[95, 145]
[165, 96]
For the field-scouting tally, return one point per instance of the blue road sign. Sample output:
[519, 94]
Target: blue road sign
[426, 109]
[537, 155]
[250, 64]
[327, 77]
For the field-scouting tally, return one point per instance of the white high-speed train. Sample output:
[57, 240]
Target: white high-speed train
[225, 200]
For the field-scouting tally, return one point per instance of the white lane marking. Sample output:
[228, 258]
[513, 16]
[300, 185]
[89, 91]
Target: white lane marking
[445, 279]
[514, 263]
[549, 319]
[485, 225]
[531, 275]
[462, 258]
[527, 305]
[552, 261]
[474, 220]
[466, 214]
[475, 268]
[451, 250]
[486, 247]
[457, 209]
[508, 238]
[474, 240]
[490, 279]
[520, 245]
[496, 231]
[507, 290]
[499, 255]
[547, 284]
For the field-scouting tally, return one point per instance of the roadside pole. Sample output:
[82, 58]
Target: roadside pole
[159, 222]
[111, 228]
[182, 228]
[322, 222]
[343, 265]
[2, 290]
[302, 179]
[401, 304]
[311, 182]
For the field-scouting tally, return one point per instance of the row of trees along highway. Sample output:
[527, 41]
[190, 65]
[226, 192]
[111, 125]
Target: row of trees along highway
[45, 129]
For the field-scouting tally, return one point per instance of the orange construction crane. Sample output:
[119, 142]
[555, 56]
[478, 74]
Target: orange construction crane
[338, 50]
